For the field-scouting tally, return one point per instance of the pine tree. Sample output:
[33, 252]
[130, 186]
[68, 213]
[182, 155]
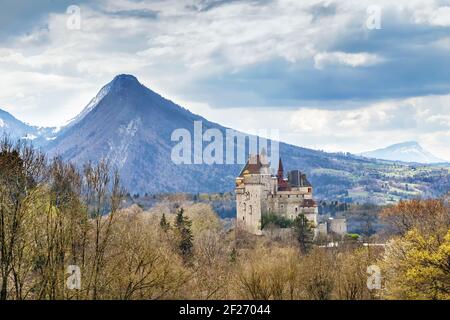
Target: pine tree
[183, 227]
[165, 225]
[303, 233]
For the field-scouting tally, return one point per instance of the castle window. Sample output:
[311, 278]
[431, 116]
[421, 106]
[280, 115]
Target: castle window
[296, 209]
[282, 206]
[250, 209]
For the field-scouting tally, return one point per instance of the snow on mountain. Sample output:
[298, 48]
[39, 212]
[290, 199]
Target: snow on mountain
[17, 129]
[91, 105]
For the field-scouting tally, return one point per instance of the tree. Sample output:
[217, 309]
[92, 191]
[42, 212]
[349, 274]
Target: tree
[428, 216]
[351, 277]
[21, 169]
[417, 266]
[304, 234]
[318, 274]
[183, 228]
[416, 263]
[164, 224]
[102, 196]
[145, 266]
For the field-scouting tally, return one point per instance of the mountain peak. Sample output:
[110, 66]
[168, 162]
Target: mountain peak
[407, 144]
[125, 77]
[125, 81]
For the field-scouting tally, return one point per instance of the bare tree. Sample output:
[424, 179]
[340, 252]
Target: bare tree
[21, 169]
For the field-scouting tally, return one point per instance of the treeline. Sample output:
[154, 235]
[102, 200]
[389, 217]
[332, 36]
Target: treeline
[64, 235]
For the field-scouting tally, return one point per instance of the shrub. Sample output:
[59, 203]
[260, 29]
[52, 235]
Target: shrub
[277, 220]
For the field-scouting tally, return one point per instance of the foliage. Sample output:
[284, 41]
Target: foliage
[184, 234]
[352, 236]
[428, 216]
[276, 220]
[304, 233]
[417, 267]
[416, 263]
[164, 224]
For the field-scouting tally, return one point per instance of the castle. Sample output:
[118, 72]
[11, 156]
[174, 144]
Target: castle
[258, 192]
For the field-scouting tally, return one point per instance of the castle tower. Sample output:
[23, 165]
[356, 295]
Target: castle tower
[252, 186]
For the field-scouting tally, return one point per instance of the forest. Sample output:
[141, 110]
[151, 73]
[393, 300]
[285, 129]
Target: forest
[66, 232]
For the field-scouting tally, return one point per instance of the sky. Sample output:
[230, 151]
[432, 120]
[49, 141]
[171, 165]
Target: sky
[331, 75]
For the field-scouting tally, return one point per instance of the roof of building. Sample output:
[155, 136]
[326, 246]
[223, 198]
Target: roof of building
[256, 162]
[253, 166]
[309, 203]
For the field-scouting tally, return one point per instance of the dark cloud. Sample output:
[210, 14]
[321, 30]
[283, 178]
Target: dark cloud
[205, 5]
[324, 9]
[406, 73]
[412, 64]
[142, 13]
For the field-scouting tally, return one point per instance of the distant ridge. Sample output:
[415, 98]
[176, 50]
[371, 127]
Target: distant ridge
[16, 129]
[410, 151]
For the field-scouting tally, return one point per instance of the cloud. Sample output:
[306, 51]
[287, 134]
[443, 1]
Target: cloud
[434, 16]
[425, 119]
[324, 59]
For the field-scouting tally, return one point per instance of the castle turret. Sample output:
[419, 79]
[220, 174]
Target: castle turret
[280, 172]
[282, 184]
[252, 187]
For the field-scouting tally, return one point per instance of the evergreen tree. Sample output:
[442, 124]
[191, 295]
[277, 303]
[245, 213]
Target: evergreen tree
[303, 233]
[183, 227]
[165, 225]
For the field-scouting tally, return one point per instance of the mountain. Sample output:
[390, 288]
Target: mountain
[409, 151]
[17, 129]
[131, 126]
